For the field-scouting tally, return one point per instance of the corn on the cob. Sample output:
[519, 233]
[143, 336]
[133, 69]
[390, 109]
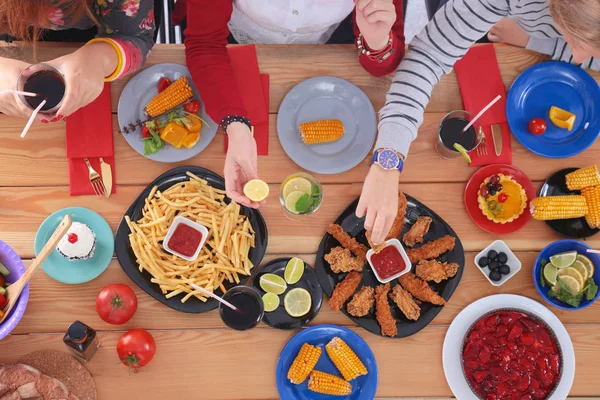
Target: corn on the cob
[326, 130]
[583, 177]
[592, 197]
[304, 363]
[171, 97]
[324, 383]
[558, 207]
[346, 360]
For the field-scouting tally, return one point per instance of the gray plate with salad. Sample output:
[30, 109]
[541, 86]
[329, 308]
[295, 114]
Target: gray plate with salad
[137, 94]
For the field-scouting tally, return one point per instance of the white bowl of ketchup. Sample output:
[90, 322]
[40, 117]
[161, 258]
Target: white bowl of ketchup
[390, 263]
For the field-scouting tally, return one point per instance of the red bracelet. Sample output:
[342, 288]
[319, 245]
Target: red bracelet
[379, 55]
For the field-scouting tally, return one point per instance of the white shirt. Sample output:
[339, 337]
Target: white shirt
[287, 21]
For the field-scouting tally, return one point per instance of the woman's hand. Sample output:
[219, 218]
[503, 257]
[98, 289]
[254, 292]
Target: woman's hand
[240, 163]
[375, 19]
[10, 104]
[84, 71]
[379, 202]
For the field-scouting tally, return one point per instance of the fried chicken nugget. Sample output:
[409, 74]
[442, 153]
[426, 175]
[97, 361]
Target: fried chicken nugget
[341, 260]
[420, 289]
[417, 231]
[432, 249]
[362, 302]
[405, 303]
[433, 270]
[344, 290]
[383, 313]
[359, 250]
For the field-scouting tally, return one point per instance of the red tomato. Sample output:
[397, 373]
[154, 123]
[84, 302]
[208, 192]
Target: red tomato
[163, 83]
[146, 132]
[3, 301]
[537, 126]
[192, 107]
[116, 304]
[136, 348]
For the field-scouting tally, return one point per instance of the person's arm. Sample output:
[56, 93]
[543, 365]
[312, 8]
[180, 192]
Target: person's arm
[208, 60]
[387, 66]
[432, 53]
[559, 50]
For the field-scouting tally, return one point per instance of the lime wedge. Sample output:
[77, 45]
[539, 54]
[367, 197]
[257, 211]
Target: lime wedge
[463, 151]
[588, 264]
[572, 272]
[272, 283]
[297, 302]
[579, 266]
[563, 260]
[293, 270]
[291, 200]
[270, 301]
[550, 272]
[296, 185]
[571, 283]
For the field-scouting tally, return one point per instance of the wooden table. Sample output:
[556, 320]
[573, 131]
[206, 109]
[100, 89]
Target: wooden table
[197, 356]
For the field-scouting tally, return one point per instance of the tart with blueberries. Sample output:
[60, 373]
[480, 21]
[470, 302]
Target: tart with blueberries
[501, 198]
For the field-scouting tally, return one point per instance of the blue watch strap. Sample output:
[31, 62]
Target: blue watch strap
[400, 166]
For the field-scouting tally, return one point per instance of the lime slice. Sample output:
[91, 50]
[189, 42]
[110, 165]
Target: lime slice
[550, 272]
[293, 270]
[297, 302]
[463, 151]
[270, 301]
[572, 284]
[256, 190]
[579, 266]
[272, 283]
[291, 200]
[563, 260]
[588, 264]
[573, 273]
[296, 185]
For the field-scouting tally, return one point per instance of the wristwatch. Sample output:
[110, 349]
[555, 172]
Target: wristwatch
[388, 159]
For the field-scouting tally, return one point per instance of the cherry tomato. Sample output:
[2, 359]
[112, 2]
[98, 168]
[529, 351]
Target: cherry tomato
[502, 197]
[3, 301]
[136, 348]
[116, 304]
[537, 126]
[146, 132]
[192, 107]
[163, 83]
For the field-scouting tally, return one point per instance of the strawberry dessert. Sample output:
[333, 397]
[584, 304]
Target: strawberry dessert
[511, 355]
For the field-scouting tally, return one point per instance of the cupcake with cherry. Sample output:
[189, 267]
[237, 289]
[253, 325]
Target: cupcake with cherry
[501, 199]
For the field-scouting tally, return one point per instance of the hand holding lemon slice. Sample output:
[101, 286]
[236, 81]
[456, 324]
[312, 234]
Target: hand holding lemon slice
[256, 190]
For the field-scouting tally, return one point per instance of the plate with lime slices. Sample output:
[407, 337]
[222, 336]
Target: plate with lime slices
[567, 276]
[291, 293]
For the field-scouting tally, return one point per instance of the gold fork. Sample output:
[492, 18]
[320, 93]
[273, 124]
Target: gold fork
[95, 180]
[482, 148]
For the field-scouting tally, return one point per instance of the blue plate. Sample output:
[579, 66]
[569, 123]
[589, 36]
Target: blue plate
[363, 387]
[560, 247]
[554, 84]
[81, 271]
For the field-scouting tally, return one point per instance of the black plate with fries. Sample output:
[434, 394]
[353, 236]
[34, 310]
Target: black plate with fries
[127, 258]
[354, 227]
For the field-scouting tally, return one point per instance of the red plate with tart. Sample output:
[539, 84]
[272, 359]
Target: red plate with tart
[510, 354]
[497, 198]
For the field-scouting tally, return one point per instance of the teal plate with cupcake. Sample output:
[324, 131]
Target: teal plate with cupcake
[83, 253]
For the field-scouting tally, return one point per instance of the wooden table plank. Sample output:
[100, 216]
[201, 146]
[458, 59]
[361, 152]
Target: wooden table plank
[207, 356]
[49, 297]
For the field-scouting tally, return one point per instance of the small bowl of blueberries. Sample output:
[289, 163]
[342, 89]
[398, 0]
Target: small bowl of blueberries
[498, 263]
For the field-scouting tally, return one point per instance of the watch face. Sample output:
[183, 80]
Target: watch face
[388, 159]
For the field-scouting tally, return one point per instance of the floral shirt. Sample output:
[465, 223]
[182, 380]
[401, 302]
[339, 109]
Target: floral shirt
[127, 23]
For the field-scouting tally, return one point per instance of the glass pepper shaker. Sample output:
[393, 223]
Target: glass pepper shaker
[81, 340]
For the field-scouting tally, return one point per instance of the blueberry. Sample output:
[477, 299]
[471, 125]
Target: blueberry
[483, 262]
[498, 187]
[492, 254]
[492, 191]
[495, 276]
[490, 185]
[504, 269]
[502, 258]
[494, 265]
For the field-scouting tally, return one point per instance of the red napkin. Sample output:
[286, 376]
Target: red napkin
[480, 82]
[90, 134]
[254, 89]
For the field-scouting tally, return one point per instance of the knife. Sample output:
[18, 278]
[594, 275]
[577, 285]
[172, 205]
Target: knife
[106, 177]
[497, 137]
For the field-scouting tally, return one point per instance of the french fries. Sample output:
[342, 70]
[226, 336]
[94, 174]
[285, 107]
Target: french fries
[224, 257]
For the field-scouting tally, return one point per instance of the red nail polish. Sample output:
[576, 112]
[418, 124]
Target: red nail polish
[59, 117]
[44, 121]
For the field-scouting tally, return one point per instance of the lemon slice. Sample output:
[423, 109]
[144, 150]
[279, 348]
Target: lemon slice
[571, 283]
[564, 260]
[297, 302]
[550, 272]
[272, 283]
[587, 263]
[294, 270]
[463, 151]
[256, 190]
[291, 200]
[270, 301]
[572, 272]
[297, 185]
[579, 266]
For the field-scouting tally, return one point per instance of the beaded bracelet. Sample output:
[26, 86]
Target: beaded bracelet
[228, 120]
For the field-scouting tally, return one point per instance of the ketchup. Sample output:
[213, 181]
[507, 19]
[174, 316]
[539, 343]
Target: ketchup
[185, 240]
[388, 262]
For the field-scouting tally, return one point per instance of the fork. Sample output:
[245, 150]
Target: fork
[95, 180]
[482, 148]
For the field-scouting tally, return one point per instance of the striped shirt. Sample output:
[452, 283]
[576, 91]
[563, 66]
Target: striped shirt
[444, 41]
